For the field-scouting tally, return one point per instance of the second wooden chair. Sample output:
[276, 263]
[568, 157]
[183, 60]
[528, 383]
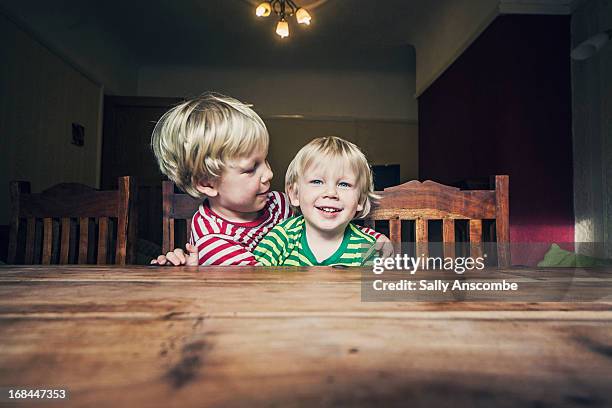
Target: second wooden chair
[53, 217]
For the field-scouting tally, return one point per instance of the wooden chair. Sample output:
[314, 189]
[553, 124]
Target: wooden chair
[428, 200]
[414, 200]
[176, 206]
[61, 208]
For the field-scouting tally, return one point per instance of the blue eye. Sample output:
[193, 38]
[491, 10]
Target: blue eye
[344, 184]
[316, 182]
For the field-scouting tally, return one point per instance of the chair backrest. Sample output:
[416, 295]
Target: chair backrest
[175, 206]
[428, 200]
[55, 215]
[414, 200]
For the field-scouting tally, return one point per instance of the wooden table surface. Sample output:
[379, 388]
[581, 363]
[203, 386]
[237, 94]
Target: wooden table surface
[189, 337]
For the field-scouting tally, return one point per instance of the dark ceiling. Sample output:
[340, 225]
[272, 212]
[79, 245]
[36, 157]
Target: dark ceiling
[343, 33]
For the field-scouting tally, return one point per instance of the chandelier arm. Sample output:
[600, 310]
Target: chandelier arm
[284, 8]
[293, 6]
[280, 7]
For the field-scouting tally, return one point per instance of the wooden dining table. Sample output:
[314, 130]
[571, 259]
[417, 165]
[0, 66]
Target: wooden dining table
[143, 336]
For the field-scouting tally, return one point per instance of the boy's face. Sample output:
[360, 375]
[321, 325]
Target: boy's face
[243, 187]
[328, 196]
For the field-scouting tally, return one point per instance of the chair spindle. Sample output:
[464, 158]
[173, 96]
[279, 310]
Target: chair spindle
[448, 237]
[47, 240]
[102, 240]
[83, 239]
[65, 241]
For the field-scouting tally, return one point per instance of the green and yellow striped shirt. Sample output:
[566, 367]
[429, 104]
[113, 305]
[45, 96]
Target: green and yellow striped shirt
[286, 245]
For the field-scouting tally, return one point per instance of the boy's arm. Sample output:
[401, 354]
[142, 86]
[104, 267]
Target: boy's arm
[178, 257]
[371, 232]
[215, 249]
[286, 207]
[369, 255]
[383, 244]
[272, 249]
[207, 248]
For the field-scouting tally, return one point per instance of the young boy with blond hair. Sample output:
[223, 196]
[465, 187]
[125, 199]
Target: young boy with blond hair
[330, 182]
[214, 148]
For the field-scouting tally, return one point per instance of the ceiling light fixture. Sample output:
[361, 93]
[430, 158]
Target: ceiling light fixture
[283, 8]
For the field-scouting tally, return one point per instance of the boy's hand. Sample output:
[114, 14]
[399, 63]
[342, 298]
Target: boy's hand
[384, 246]
[179, 257]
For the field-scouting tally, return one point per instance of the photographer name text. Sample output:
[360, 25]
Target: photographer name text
[439, 285]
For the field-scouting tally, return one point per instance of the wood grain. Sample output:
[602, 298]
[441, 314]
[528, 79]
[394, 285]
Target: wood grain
[30, 238]
[443, 201]
[66, 201]
[428, 200]
[160, 337]
[83, 239]
[65, 241]
[175, 206]
[448, 237]
[476, 249]
[422, 237]
[395, 231]
[102, 240]
[502, 208]
[47, 240]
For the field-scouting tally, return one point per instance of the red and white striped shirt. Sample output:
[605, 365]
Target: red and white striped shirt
[222, 242]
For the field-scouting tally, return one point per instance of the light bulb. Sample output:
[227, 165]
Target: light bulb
[263, 10]
[302, 16]
[282, 29]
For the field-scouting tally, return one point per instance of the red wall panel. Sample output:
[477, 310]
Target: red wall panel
[504, 107]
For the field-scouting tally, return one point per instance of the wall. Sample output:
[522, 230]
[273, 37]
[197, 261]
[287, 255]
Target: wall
[41, 97]
[77, 33]
[504, 107]
[446, 29]
[319, 93]
[373, 108]
[383, 142]
[592, 130]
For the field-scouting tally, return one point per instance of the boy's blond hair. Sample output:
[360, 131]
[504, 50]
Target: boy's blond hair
[193, 141]
[329, 149]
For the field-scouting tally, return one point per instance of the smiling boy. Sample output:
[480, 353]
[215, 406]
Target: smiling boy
[330, 181]
[214, 148]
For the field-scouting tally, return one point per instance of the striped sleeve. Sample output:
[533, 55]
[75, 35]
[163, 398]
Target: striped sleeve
[271, 250]
[283, 206]
[361, 247]
[372, 232]
[215, 250]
